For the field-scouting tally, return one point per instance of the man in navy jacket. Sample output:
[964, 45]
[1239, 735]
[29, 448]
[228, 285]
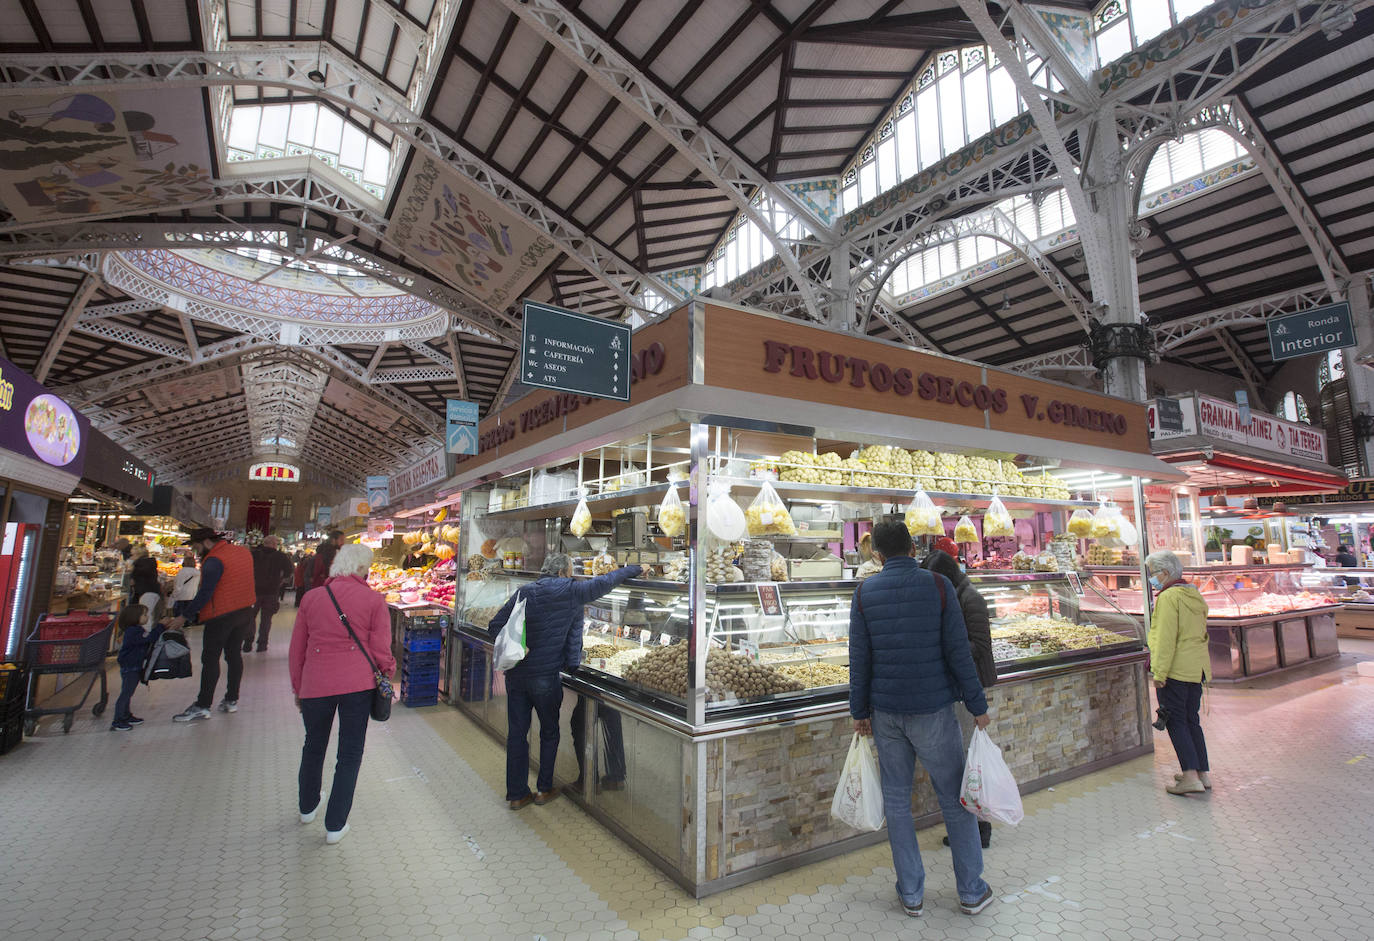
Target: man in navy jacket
[553, 637]
[909, 663]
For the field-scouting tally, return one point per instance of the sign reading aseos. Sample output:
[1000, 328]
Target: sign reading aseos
[572, 352]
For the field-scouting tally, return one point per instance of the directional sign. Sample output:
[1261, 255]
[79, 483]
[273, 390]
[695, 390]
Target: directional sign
[1311, 331]
[462, 427]
[573, 352]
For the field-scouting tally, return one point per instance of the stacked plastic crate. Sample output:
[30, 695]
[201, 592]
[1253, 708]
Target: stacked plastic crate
[422, 648]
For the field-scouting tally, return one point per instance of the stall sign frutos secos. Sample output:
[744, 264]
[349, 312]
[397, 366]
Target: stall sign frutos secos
[804, 362]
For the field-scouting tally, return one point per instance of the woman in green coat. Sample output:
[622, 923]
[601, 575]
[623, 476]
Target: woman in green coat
[1180, 664]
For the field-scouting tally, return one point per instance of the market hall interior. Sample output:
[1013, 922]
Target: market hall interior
[715, 290]
[177, 832]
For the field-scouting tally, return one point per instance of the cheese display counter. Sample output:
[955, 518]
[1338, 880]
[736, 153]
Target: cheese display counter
[1261, 618]
[709, 716]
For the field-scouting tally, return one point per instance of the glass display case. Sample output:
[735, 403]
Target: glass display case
[1260, 618]
[1353, 590]
[726, 663]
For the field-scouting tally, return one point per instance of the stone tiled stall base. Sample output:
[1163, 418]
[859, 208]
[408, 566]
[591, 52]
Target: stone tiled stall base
[769, 791]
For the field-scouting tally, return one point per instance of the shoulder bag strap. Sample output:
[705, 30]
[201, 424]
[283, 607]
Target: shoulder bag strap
[349, 627]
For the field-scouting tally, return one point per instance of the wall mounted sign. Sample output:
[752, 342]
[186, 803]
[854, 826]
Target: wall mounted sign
[36, 424]
[378, 489]
[283, 473]
[111, 466]
[1220, 420]
[429, 469]
[1318, 330]
[461, 437]
[571, 352]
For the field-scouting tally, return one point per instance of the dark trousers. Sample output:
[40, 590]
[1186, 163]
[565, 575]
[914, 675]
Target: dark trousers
[543, 695]
[1182, 701]
[300, 593]
[223, 635]
[612, 738]
[267, 606]
[354, 710]
[128, 682]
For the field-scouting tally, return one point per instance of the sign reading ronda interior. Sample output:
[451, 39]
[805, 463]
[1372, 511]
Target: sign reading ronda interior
[805, 362]
[1311, 331]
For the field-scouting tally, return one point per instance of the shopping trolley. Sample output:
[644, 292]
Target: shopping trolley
[73, 643]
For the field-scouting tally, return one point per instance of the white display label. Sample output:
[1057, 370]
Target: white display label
[645, 635]
[664, 640]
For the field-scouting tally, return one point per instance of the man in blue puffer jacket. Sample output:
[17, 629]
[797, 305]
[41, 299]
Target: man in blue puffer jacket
[553, 636]
[909, 663]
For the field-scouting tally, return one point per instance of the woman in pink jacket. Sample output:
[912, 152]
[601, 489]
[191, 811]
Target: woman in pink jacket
[330, 674]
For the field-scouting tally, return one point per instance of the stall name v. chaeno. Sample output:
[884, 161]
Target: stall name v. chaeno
[806, 363]
[646, 362]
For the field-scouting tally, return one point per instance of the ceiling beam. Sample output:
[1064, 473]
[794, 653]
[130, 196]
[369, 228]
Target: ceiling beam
[75, 307]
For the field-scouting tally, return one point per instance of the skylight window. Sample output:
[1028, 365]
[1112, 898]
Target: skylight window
[265, 132]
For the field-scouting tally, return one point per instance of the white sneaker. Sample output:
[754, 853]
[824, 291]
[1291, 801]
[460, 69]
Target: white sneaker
[333, 836]
[192, 713]
[310, 817]
[229, 705]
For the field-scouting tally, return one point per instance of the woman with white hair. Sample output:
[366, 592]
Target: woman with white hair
[330, 674]
[1180, 664]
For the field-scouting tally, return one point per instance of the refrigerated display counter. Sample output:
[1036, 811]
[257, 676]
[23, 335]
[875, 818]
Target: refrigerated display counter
[1261, 618]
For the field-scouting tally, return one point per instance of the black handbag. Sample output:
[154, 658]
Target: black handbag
[381, 696]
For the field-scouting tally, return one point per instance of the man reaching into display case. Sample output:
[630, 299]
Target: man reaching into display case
[909, 663]
[553, 637]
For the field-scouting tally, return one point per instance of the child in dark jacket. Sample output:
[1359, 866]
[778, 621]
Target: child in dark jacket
[132, 651]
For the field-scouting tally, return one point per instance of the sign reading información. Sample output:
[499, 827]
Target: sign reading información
[572, 352]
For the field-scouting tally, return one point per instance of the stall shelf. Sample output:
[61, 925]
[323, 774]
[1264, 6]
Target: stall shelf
[1261, 618]
[710, 715]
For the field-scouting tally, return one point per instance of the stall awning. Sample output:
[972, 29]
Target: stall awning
[1216, 471]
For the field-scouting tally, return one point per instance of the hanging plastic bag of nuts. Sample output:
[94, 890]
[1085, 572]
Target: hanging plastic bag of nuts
[767, 514]
[923, 516]
[672, 516]
[581, 522]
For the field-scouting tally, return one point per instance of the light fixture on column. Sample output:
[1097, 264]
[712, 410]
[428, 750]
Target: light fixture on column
[1006, 300]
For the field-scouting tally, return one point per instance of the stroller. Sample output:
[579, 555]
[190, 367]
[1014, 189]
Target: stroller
[169, 658]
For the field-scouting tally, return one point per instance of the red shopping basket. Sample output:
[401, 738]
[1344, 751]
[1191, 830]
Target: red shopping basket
[74, 627]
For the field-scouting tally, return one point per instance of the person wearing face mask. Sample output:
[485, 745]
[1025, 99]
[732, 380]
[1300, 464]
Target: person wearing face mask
[1180, 664]
[224, 602]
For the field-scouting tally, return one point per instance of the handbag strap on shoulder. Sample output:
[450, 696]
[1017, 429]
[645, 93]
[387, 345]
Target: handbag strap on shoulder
[349, 627]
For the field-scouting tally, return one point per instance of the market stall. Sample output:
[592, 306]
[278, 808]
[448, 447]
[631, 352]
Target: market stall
[1236, 526]
[710, 715]
[42, 455]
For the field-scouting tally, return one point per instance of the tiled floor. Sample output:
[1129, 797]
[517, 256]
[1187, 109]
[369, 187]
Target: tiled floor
[174, 832]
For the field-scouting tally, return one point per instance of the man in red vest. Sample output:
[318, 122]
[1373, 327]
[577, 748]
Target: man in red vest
[224, 604]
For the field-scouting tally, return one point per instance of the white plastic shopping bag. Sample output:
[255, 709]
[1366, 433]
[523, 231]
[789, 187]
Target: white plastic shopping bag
[989, 791]
[858, 797]
[510, 643]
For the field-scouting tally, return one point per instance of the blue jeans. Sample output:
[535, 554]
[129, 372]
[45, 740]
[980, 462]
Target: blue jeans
[318, 714]
[128, 682]
[935, 739]
[1182, 701]
[543, 695]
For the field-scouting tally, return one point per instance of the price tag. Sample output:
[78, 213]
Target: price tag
[829, 633]
[604, 627]
[664, 640]
[749, 649]
[1034, 650]
[644, 636]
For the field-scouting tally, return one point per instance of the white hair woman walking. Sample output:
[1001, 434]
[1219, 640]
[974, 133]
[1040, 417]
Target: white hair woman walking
[1180, 664]
[329, 674]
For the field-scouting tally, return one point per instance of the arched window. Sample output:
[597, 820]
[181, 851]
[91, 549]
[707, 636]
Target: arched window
[1294, 408]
